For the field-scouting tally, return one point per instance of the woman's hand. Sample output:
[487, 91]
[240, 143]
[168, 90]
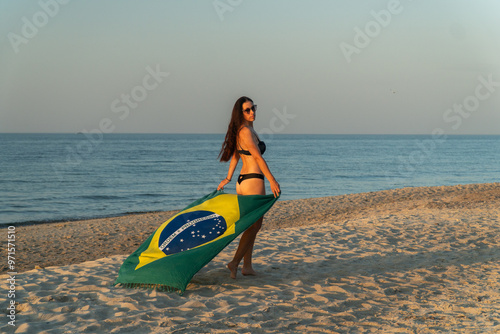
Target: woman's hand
[275, 187]
[223, 183]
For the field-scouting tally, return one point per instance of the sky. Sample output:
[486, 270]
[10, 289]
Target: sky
[312, 67]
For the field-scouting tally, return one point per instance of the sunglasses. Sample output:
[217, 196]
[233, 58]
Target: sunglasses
[254, 109]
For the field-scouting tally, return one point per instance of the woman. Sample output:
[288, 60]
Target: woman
[242, 142]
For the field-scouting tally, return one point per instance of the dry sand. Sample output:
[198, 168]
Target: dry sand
[412, 260]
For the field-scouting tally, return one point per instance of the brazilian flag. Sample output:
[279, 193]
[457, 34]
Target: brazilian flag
[185, 243]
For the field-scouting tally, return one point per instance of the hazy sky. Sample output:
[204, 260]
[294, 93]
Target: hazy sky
[336, 66]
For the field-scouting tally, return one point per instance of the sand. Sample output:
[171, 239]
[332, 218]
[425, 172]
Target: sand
[412, 260]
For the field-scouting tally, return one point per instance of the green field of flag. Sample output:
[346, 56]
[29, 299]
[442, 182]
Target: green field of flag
[185, 243]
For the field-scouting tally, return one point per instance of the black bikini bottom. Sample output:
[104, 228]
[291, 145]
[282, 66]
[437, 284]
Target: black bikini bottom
[244, 177]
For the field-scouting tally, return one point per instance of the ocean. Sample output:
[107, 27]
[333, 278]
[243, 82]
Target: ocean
[58, 177]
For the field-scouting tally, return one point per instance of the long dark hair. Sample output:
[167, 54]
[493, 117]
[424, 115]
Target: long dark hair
[229, 145]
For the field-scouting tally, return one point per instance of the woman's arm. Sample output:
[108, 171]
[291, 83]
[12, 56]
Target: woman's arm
[246, 137]
[232, 166]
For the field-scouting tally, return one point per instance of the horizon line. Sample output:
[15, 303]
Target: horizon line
[221, 133]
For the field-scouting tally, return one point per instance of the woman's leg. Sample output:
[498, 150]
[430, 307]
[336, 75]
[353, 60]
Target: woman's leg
[244, 251]
[247, 240]
[247, 268]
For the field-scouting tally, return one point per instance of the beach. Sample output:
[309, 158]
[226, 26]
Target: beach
[410, 260]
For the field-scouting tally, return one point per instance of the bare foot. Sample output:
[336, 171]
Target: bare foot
[233, 269]
[248, 272]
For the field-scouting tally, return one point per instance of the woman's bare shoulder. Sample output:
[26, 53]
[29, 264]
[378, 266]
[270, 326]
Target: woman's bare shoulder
[246, 135]
[245, 132]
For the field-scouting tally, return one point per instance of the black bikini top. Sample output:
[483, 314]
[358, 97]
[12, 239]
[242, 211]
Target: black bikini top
[261, 145]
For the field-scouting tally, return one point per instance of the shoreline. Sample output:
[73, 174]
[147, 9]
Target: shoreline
[173, 211]
[127, 214]
[410, 260]
[68, 242]
[83, 219]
